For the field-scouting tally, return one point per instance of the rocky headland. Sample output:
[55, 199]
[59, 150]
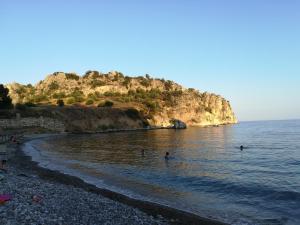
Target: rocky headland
[98, 101]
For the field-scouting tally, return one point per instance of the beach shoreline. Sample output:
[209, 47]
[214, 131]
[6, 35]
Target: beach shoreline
[173, 216]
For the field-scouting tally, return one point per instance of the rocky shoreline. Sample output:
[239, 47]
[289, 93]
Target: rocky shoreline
[64, 199]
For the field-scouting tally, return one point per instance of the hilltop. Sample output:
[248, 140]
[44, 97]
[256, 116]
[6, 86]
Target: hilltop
[158, 101]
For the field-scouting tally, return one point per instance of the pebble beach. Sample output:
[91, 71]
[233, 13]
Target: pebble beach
[61, 204]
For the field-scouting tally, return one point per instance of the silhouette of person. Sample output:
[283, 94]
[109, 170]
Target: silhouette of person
[167, 156]
[241, 147]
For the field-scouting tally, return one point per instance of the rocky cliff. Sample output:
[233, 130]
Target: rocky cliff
[160, 102]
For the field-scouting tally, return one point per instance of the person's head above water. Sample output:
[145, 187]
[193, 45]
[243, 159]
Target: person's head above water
[241, 147]
[167, 155]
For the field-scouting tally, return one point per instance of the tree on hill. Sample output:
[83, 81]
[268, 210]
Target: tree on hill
[5, 100]
[60, 102]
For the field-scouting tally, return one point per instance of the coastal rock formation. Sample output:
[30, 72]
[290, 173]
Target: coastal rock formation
[72, 119]
[159, 101]
[177, 124]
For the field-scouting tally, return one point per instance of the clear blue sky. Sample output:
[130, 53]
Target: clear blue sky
[247, 51]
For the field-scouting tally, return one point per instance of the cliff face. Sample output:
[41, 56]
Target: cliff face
[158, 101]
[72, 119]
[198, 110]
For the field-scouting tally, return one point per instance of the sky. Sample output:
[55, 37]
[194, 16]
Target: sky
[246, 51]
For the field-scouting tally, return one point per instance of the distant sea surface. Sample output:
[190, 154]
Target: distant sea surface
[207, 173]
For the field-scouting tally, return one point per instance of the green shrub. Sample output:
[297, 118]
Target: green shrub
[145, 82]
[89, 102]
[60, 102]
[93, 96]
[127, 99]
[106, 104]
[77, 95]
[126, 81]
[5, 100]
[95, 74]
[116, 77]
[112, 94]
[97, 83]
[40, 98]
[71, 100]
[177, 93]
[154, 93]
[59, 95]
[32, 91]
[53, 86]
[56, 73]
[151, 105]
[131, 92]
[72, 76]
[168, 85]
[21, 90]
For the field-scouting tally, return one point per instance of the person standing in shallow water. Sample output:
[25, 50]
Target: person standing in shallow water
[167, 156]
[241, 147]
[3, 156]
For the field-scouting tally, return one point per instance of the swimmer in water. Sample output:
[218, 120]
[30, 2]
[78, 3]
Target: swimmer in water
[241, 147]
[167, 156]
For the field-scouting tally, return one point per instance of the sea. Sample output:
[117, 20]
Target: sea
[206, 173]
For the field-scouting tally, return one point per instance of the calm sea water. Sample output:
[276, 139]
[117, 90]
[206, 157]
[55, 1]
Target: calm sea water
[207, 174]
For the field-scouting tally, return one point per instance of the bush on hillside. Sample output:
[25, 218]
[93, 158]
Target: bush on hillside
[126, 81]
[71, 100]
[112, 94]
[97, 83]
[95, 74]
[107, 103]
[168, 85]
[89, 102]
[72, 76]
[59, 95]
[40, 98]
[151, 105]
[77, 95]
[60, 102]
[93, 96]
[53, 86]
[5, 100]
[145, 82]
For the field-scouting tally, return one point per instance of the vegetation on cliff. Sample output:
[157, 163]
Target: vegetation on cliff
[5, 100]
[159, 101]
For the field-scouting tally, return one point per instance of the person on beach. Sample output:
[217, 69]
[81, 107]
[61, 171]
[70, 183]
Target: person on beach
[3, 157]
[167, 156]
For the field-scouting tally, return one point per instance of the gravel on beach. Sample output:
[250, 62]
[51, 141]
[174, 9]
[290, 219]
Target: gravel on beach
[61, 204]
